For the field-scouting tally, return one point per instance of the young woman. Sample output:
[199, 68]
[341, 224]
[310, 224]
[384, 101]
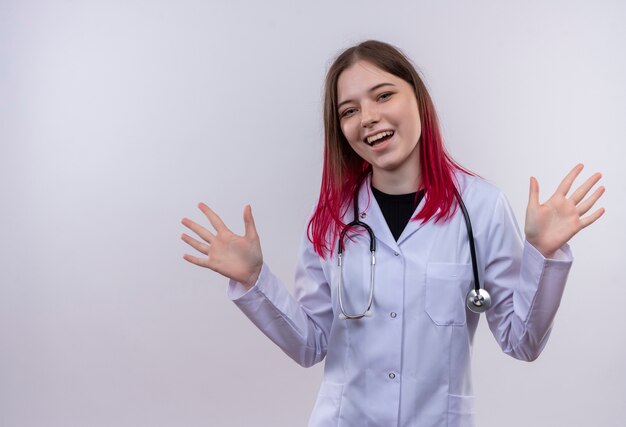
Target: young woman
[393, 324]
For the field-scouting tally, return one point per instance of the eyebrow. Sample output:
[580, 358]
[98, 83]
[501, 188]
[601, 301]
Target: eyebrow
[378, 86]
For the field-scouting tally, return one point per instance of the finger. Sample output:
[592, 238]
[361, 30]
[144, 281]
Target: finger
[590, 219]
[199, 246]
[567, 182]
[202, 262]
[582, 191]
[248, 221]
[198, 229]
[214, 219]
[591, 200]
[533, 195]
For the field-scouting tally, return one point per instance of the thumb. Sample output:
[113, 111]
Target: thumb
[533, 195]
[248, 221]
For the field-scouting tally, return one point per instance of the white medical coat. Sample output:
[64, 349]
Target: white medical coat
[409, 364]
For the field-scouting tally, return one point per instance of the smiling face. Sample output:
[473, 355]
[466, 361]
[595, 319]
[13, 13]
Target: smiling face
[379, 118]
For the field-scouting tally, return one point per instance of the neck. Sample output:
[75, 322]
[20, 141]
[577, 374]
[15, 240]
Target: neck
[396, 181]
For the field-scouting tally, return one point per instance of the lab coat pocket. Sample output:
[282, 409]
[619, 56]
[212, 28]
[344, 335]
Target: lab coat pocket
[461, 411]
[326, 409]
[447, 285]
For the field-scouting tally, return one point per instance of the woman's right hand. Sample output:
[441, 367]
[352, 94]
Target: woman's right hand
[236, 257]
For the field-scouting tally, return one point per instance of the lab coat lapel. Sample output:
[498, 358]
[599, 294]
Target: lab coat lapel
[414, 226]
[370, 213]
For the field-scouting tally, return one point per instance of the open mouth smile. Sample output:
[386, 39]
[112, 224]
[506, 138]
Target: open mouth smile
[378, 138]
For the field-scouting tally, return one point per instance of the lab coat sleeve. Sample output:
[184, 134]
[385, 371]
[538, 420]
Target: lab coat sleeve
[525, 287]
[298, 325]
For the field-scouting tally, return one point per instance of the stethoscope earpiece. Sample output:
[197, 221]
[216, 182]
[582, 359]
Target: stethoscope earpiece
[343, 316]
[478, 302]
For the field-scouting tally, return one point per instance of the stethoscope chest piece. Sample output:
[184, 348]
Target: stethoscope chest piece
[478, 301]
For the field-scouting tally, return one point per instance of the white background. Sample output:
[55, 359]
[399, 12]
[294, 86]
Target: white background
[117, 117]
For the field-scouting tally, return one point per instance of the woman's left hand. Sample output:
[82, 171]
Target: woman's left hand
[550, 225]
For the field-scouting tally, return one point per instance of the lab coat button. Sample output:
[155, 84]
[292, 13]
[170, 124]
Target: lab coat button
[392, 375]
[393, 315]
[396, 254]
[363, 214]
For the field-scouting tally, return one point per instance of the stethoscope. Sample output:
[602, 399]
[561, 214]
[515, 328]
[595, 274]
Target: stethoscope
[478, 300]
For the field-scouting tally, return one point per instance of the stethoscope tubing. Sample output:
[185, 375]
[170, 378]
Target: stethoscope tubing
[356, 223]
[470, 237]
[478, 300]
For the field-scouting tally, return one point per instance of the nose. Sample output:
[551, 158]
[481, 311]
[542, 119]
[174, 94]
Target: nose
[369, 115]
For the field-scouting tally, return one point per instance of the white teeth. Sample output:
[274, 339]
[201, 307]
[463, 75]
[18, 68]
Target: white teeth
[374, 138]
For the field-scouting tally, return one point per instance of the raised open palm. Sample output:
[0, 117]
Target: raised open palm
[553, 223]
[236, 257]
